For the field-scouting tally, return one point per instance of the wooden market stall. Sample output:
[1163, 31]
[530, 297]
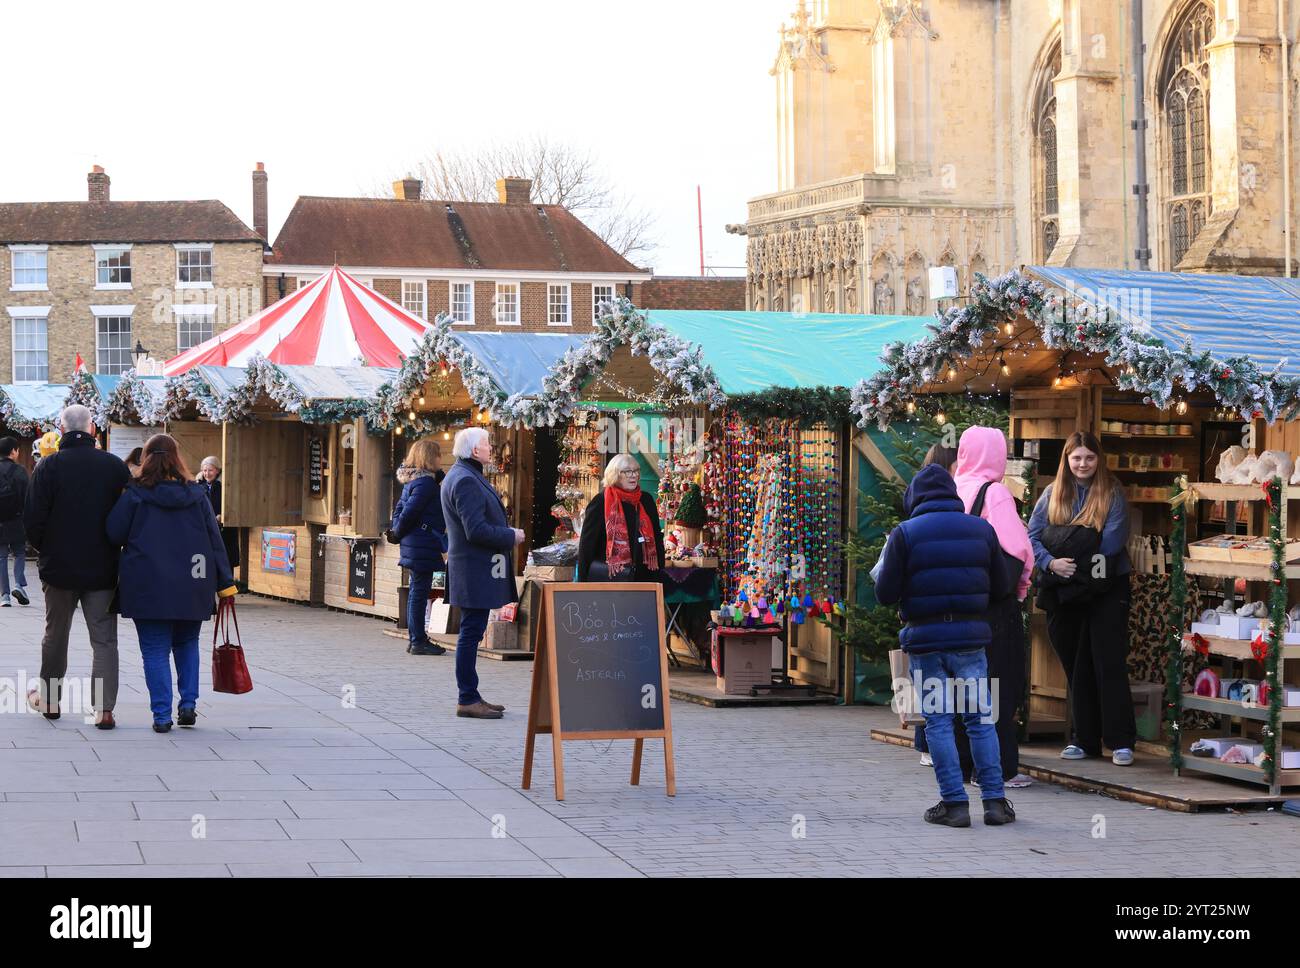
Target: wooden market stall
[27, 411]
[777, 461]
[1171, 372]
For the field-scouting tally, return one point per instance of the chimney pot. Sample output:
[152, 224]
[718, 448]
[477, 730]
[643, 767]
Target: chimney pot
[259, 203]
[97, 184]
[514, 191]
[408, 189]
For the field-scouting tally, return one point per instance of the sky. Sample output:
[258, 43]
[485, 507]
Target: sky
[180, 101]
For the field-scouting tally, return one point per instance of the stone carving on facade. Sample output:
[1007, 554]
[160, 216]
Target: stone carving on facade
[915, 296]
[882, 297]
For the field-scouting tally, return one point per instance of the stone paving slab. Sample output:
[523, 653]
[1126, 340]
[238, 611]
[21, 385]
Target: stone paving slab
[291, 783]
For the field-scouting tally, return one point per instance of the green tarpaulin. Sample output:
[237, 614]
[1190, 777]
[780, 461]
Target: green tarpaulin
[752, 352]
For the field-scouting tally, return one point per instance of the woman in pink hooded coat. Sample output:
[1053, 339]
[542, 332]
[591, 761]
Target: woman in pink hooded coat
[981, 465]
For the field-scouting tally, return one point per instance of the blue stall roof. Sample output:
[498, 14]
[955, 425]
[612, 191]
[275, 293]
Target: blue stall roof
[751, 352]
[36, 401]
[1226, 315]
[518, 362]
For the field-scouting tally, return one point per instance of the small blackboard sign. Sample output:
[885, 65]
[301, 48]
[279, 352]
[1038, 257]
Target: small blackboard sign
[316, 466]
[600, 671]
[607, 643]
[361, 573]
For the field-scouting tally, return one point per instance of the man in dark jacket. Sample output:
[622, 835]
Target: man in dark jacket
[941, 566]
[71, 495]
[13, 537]
[480, 559]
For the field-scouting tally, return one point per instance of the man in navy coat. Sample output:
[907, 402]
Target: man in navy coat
[941, 567]
[480, 559]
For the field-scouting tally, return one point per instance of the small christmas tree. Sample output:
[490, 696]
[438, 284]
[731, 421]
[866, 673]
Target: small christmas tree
[690, 512]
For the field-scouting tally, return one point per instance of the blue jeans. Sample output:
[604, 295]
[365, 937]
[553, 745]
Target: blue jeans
[473, 623]
[19, 550]
[159, 640]
[417, 603]
[941, 701]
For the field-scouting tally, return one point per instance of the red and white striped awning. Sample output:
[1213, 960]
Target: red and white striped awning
[334, 321]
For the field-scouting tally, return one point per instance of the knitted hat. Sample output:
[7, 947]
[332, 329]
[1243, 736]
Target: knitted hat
[49, 444]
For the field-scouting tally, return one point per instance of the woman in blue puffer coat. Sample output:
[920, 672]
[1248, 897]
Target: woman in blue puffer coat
[419, 526]
[172, 570]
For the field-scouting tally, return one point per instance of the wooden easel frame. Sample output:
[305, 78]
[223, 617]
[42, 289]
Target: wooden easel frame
[544, 701]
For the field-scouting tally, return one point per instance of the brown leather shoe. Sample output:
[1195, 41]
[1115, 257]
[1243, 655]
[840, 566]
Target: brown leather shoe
[478, 710]
[104, 719]
[35, 701]
[492, 705]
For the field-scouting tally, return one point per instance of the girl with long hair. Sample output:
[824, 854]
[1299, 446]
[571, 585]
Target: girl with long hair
[172, 569]
[1079, 534]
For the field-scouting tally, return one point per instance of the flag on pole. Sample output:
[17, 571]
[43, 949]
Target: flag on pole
[78, 366]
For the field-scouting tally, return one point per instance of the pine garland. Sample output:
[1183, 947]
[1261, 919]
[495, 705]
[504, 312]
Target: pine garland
[22, 426]
[806, 406]
[1145, 363]
[1174, 619]
[1277, 624]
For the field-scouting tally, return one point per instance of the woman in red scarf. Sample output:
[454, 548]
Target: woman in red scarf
[621, 538]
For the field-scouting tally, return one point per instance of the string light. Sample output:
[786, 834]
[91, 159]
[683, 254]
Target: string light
[940, 417]
[1181, 407]
[911, 406]
[398, 431]
[1006, 369]
[411, 415]
[446, 435]
[952, 372]
[1010, 328]
[422, 401]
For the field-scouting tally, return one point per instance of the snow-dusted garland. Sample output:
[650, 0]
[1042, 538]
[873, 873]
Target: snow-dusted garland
[678, 361]
[1145, 363]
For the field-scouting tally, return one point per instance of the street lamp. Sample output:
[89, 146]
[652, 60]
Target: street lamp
[140, 354]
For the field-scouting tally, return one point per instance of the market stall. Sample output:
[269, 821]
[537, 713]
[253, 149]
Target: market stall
[28, 410]
[1183, 377]
[773, 470]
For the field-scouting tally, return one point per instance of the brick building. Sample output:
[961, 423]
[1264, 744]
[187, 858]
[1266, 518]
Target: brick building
[722, 293]
[503, 265]
[97, 278]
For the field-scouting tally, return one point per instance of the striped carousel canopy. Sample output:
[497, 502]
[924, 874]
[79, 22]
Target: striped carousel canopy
[334, 321]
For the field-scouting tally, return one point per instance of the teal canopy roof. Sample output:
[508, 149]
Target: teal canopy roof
[40, 402]
[752, 352]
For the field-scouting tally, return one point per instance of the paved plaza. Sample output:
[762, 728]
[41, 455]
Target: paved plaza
[294, 779]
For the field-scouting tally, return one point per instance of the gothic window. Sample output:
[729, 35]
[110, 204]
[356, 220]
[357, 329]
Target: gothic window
[1048, 215]
[1184, 92]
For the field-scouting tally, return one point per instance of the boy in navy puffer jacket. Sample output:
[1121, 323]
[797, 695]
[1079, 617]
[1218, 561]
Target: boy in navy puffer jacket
[941, 567]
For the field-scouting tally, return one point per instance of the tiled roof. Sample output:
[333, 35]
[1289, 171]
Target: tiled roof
[396, 233]
[197, 221]
[694, 292]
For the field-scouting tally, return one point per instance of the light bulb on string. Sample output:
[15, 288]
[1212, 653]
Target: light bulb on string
[1006, 369]
[411, 415]
[1181, 407]
[940, 417]
[1010, 328]
[911, 406]
[422, 401]
[952, 372]
[398, 431]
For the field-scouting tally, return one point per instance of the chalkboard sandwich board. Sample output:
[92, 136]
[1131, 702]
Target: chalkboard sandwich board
[600, 672]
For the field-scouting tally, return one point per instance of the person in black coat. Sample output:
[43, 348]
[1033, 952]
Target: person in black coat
[13, 537]
[480, 559]
[210, 478]
[418, 525]
[621, 538]
[71, 494]
[174, 566]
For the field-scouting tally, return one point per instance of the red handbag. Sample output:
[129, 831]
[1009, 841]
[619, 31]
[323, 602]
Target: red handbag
[229, 670]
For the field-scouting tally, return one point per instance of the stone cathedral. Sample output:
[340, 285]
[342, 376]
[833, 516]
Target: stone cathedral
[989, 134]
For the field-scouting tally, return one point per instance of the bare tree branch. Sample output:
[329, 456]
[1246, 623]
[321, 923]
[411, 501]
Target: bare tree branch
[561, 175]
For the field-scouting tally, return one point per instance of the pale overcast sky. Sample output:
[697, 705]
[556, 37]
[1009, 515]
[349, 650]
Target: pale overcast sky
[180, 100]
